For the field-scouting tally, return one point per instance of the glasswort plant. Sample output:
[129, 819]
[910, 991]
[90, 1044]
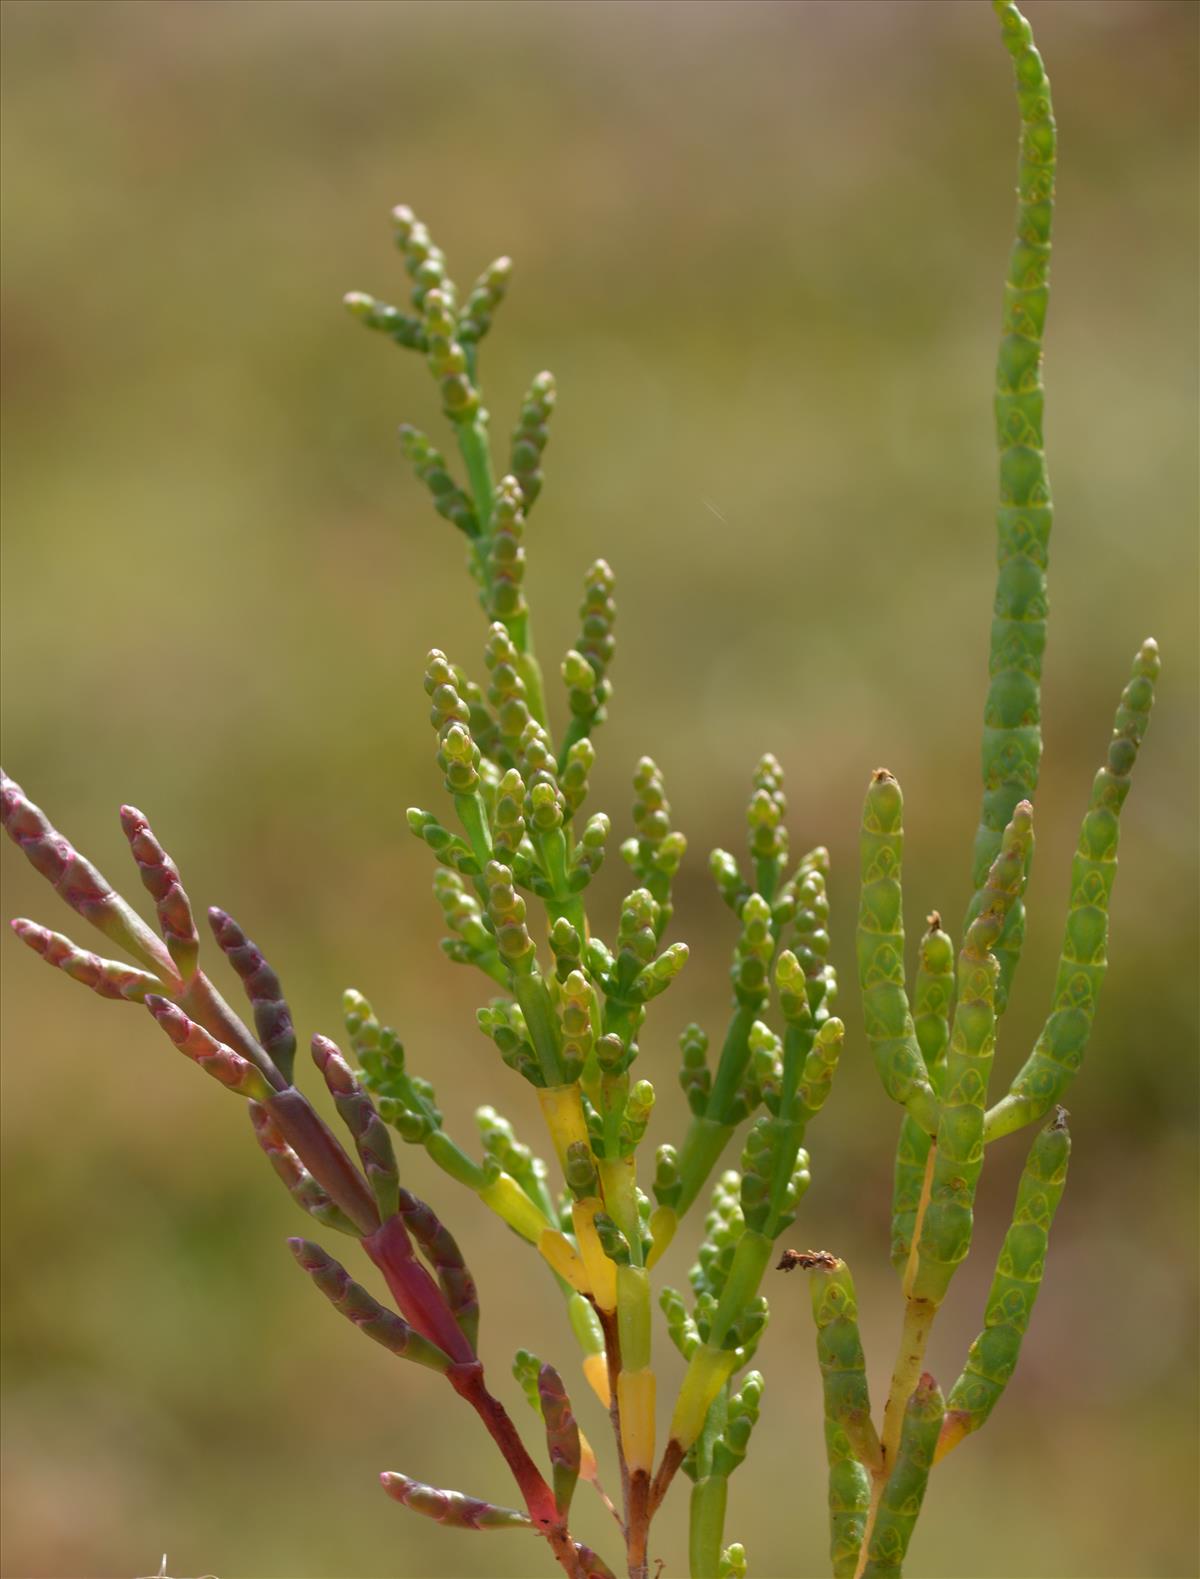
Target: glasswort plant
[566, 1010]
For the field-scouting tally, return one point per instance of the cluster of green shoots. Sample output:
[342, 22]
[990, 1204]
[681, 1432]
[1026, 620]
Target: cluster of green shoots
[567, 1002]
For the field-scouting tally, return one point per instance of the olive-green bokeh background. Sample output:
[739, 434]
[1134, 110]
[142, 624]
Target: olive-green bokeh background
[761, 247]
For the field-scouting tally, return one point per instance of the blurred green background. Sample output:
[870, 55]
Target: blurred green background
[761, 247]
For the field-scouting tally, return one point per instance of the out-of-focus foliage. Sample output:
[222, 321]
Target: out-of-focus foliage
[761, 247]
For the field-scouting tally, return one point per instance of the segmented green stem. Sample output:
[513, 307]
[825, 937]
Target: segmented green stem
[1012, 734]
[889, 1022]
[946, 1230]
[851, 1443]
[1059, 1050]
[1019, 1271]
[900, 1503]
[933, 1003]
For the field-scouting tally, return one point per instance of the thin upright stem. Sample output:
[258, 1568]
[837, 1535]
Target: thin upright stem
[914, 1335]
[612, 1355]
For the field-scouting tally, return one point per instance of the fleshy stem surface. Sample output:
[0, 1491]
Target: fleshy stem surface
[851, 1444]
[945, 1236]
[1012, 734]
[1019, 1271]
[888, 1019]
[933, 1003]
[1059, 1050]
[905, 1490]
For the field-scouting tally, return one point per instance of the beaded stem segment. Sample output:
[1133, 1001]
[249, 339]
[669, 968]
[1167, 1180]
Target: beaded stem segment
[109, 978]
[160, 876]
[1059, 1050]
[530, 436]
[562, 1436]
[945, 1236]
[77, 881]
[889, 1022]
[234, 1072]
[933, 1003]
[452, 1508]
[1012, 734]
[851, 1441]
[357, 1111]
[367, 1314]
[297, 1180]
[1019, 1271]
[440, 1249]
[904, 1493]
[272, 1016]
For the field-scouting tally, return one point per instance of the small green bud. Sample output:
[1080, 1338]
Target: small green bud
[612, 1241]
[637, 935]
[449, 849]
[566, 947]
[752, 957]
[506, 691]
[530, 436]
[503, 1021]
[766, 1064]
[485, 296]
[575, 1013]
[695, 1076]
[588, 856]
[792, 989]
[508, 823]
[681, 1328]
[613, 1055]
[430, 466]
[402, 328]
[507, 556]
[733, 1562]
[638, 1107]
[728, 878]
[581, 1171]
[506, 911]
[764, 817]
[659, 974]
[666, 1176]
[537, 758]
[544, 807]
[576, 769]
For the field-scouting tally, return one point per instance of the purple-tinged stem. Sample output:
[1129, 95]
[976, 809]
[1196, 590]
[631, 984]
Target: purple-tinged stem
[415, 1291]
[323, 1155]
[201, 1000]
[467, 1381]
[110, 978]
[453, 1508]
[233, 1071]
[297, 1180]
[440, 1249]
[272, 1017]
[357, 1112]
[367, 1314]
[87, 892]
[160, 876]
